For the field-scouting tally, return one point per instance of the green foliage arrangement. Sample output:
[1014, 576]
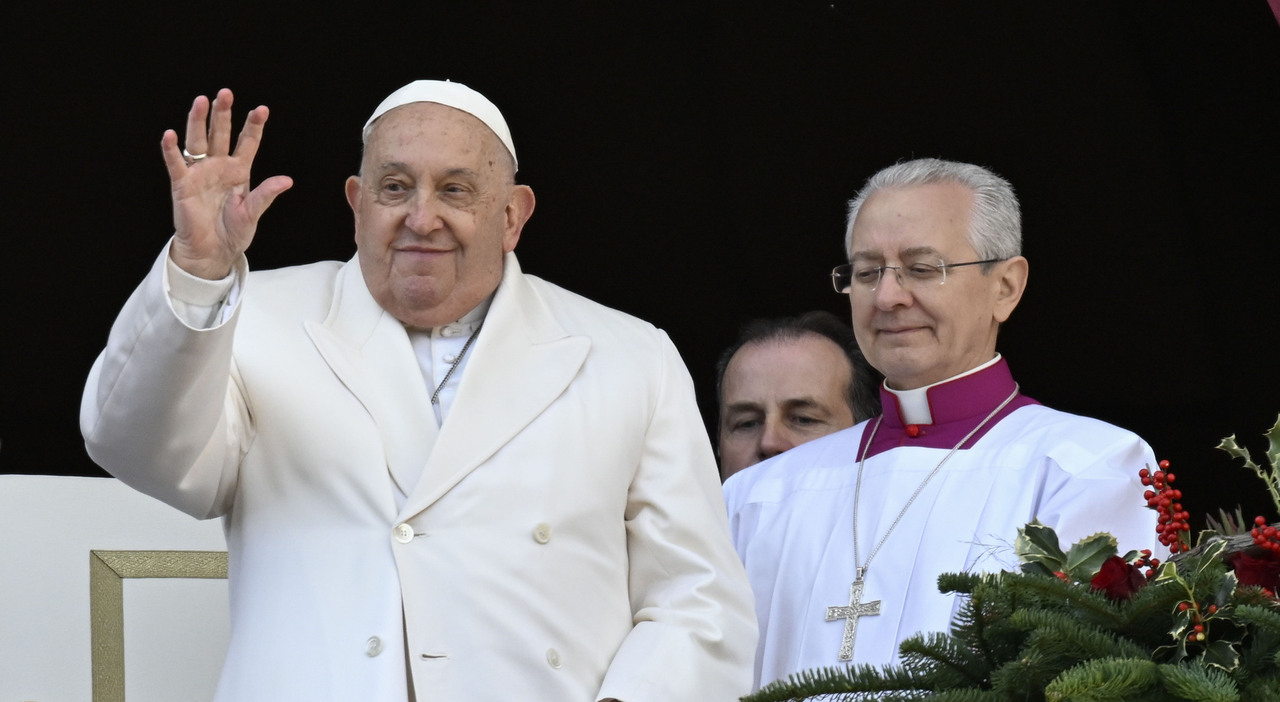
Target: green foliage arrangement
[1089, 624]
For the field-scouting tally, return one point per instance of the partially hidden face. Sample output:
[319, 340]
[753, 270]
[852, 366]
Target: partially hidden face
[777, 394]
[436, 209]
[920, 334]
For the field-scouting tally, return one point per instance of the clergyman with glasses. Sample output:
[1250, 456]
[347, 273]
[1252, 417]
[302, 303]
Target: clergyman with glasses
[844, 537]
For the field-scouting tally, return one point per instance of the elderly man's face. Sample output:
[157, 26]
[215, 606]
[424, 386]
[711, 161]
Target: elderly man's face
[777, 394]
[435, 212]
[920, 334]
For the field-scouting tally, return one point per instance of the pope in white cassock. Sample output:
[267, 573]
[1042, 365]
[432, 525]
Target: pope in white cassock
[844, 537]
[442, 479]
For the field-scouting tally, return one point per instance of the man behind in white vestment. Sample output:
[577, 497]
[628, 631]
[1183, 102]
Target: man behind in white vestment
[956, 462]
[441, 478]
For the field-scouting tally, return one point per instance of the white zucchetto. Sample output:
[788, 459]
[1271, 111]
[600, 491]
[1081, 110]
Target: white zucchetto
[449, 94]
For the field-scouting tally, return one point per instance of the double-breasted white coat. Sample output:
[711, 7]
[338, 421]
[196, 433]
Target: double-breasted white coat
[566, 539]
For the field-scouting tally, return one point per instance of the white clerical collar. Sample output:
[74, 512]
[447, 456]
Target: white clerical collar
[914, 403]
[463, 327]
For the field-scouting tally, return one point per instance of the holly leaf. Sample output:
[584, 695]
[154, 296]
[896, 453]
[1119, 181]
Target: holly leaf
[1210, 557]
[1175, 652]
[1269, 475]
[1226, 588]
[1037, 547]
[1085, 558]
[1233, 447]
[1273, 445]
[1168, 571]
[1038, 569]
[1182, 626]
[1222, 654]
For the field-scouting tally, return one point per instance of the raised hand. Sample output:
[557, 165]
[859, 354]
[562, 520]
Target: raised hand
[215, 213]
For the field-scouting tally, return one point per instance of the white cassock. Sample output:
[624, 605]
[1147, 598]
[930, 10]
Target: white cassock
[792, 516]
[560, 535]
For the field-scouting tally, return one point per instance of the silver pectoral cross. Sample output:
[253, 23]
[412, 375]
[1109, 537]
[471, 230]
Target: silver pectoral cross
[850, 615]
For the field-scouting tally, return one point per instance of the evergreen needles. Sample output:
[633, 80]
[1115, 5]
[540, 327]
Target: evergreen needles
[1190, 634]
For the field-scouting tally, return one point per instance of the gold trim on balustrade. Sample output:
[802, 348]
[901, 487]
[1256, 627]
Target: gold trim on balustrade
[107, 571]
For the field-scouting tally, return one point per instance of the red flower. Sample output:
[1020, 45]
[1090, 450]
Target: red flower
[1118, 579]
[1263, 571]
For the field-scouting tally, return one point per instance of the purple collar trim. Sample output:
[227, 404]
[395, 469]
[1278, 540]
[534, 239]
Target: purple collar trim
[956, 407]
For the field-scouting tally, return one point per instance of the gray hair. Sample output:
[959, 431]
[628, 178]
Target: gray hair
[995, 227]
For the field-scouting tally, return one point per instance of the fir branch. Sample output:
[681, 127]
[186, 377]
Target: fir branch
[982, 621]
[944, 660]
[1063, 634]
[1261, 617]
[1261, 690]
[1024, 677]
[965, 583]
[1085, 603]
[863, 680]
[1258, 654]
[1105, 679]
[1200, 684]
[1145, 618]
[968, 695]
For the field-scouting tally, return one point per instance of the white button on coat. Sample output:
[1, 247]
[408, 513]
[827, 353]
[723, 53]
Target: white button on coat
[373, 646]
[553, 658]
[542, 533]
[403, 533]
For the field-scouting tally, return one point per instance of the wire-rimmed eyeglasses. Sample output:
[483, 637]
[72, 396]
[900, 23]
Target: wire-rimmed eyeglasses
[866, 277]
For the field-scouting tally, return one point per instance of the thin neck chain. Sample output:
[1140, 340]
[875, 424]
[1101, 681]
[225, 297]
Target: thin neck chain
[860, 570]
[435, 396]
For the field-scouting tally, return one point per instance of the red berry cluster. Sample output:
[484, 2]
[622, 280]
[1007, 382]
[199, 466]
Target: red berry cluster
[1266, 536]
[1165, 500]
[1197, 617]
[1146, 561]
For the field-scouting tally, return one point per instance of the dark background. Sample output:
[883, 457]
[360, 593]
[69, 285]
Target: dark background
[692, 163]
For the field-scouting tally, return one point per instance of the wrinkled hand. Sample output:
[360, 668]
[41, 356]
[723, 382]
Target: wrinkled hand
[215, 213]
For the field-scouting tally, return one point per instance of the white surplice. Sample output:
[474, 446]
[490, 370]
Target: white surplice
[792, 517]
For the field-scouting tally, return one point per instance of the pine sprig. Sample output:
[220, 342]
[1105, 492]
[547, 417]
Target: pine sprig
[967, 696]
[984, 624]
[943, 659]
[1024, 677]
[1087, 604]
[1262, 618]
[863, 680]
[1058, 633]
[1195, 683]
[1145, 618]
[1261, 690]
[1105, 679]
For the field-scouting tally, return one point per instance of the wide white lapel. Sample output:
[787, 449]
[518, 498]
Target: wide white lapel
[523, 360]
[370, 353]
